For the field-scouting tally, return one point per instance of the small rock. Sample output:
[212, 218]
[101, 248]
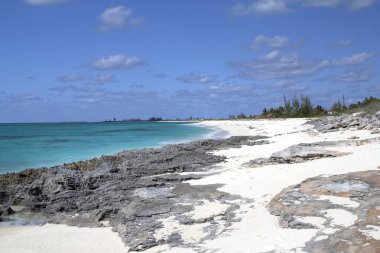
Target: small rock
[9, 211]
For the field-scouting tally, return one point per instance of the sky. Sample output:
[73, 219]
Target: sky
[92, 60]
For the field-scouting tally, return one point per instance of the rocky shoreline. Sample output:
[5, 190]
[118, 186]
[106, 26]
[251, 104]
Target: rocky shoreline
[151, 199]
[130, 191]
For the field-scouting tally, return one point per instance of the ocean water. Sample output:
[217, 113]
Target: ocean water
[46, 144]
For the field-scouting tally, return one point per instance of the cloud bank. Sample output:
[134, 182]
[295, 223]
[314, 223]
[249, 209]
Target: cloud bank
[44, 2]
[275, 7]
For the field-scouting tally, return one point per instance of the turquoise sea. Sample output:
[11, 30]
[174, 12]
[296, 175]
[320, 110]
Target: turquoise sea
[33, 145]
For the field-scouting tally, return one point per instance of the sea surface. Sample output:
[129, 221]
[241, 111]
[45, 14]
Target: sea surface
[33, 145]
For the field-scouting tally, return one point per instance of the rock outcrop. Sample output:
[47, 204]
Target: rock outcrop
[130, 191]
[357, 121]
[344, 208]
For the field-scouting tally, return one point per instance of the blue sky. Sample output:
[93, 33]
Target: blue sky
[72, 60]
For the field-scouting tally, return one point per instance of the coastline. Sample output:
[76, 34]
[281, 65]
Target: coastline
[51, 144]
[250, 188]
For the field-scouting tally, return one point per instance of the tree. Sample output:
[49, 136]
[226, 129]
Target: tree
[319, 111]
[337, 107]
[306, 107]
[287, 107]
[241, 116]
[295, 106]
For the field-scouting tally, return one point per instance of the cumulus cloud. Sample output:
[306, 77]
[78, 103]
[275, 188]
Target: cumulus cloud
[87, 79]
[275, 65]
[281, 88]
[69, 78]
[44, 2]
[260, 8]
[118, 17]
[350, 4]
[271, 7]
[220, 94]
[197, 78]
[275, 42]
[353, 59]
[96, 96]
[101, 79]
[355, 75]
[87, 83]
[116, 62]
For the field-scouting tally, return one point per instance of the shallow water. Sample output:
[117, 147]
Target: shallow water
[33, 145]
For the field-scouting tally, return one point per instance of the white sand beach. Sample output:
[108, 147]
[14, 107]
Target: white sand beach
[255, 229]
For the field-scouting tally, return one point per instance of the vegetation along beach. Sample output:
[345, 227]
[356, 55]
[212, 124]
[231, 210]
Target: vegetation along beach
[190, 126]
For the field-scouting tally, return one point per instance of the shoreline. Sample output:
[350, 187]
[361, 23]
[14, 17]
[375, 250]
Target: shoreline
[214, 133]
[246, 175]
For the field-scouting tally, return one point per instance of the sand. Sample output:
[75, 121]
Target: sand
[257, 230]
[59, 238]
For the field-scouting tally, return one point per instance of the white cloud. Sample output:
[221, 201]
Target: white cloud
[118, 17]
[260, 7]
[276, 65]
[275, 42]
[279, 65]
[271, 56]
[71, 78]
[355, 75]
[21, 98]
[270, 7]
[341, 44]
[197, 78]
[116, 62]
[101, 79]
[353, 59]
[84, 79]
[360, 4]
[350, 4]
[44, 2]
[321, 3]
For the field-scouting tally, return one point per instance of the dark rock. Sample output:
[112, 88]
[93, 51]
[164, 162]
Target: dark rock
[131, 190]
[9, 211]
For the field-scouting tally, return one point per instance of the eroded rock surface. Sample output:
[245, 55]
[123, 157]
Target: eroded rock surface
[304, 152]
[357, 121]
[130, 191]
[344, 208]
[299, 153]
